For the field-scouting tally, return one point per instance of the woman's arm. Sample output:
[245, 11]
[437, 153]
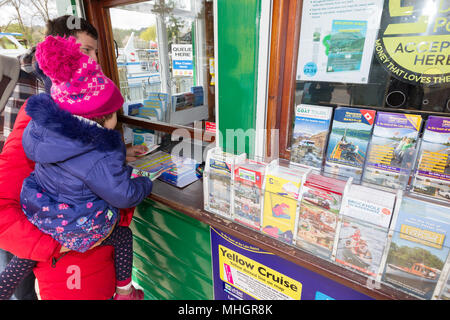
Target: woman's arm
[17, 234]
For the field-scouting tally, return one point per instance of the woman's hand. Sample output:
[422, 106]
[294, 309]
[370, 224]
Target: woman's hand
[134, 151]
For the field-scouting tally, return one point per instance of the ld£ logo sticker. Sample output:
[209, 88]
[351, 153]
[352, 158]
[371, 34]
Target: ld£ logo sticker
[414, 41]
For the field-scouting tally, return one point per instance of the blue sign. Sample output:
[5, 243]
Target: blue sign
[242, 271]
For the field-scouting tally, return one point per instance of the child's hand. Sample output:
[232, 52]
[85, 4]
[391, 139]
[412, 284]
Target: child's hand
[134, 151]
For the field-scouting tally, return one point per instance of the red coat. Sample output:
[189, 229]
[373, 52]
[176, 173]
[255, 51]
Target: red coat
[90, 275]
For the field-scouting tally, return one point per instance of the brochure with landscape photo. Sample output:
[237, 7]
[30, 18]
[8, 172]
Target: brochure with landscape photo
[432, 175]
[392, 149]
[346, 45]
[310, 134]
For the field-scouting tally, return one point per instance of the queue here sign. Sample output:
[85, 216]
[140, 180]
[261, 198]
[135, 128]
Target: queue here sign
[182, 65]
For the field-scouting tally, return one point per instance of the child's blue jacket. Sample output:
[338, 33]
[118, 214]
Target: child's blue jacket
[80, 178]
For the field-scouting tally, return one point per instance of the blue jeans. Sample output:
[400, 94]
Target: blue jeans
[25, 290]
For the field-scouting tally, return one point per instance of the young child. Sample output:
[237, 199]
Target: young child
[80, 178]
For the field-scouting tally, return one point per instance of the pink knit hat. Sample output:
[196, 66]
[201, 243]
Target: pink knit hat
[78, 83]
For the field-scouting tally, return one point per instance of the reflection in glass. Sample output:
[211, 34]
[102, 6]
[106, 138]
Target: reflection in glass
[163, 59]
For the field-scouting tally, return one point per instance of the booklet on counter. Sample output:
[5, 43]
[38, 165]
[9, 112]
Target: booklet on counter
[180, 171]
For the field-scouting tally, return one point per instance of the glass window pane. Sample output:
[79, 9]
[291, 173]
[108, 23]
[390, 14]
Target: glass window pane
[330, 46]
[163, 59]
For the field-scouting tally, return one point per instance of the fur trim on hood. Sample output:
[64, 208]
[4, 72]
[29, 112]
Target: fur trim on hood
[45, 112]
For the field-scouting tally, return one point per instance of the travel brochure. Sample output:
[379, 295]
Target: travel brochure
[218, 181]
[392, 149]
[178, 171]
[346, 45]
[282, 187]
[419, 247]
[366, 215]
[248, 195]
[154, 106]
[432, 176]
[310, 134]
[348, 142]
[319, 210]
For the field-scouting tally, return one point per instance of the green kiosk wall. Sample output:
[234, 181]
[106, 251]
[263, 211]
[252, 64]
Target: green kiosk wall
[172, 253]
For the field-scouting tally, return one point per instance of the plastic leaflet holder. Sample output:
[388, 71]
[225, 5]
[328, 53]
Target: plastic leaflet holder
[282, 186]
[442, 291]
[363, 226]
[248, 194]
[416, 260]
[218, 181]
[392, 149]
[320, 204]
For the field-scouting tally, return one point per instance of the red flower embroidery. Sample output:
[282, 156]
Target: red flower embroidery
[63, 206]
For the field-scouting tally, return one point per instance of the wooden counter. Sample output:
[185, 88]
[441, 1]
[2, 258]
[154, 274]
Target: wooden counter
[190, 202]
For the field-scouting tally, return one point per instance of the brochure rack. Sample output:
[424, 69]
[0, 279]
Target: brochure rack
[416, 258]
[248, 193]
[364, 228]
[364, 221]
[218, 181]
[282, 188]
[320, 204]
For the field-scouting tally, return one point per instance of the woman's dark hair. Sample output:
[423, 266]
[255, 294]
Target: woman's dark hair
[101, 120]
[69, 26]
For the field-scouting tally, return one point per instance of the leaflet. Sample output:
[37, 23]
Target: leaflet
[432, 175]
[392, 149]
[282, 187]
[248, 195]
[419, 247]
[363, 229]
[319, 209]
[348, 142]
[310, 134]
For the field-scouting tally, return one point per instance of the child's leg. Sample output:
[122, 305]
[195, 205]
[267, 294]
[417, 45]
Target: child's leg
[122, 240]
[16, 270]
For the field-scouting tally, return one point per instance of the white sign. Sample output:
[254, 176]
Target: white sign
[182, 60]
[337, 40]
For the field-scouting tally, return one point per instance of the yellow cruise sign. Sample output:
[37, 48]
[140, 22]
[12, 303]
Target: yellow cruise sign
[414, 41]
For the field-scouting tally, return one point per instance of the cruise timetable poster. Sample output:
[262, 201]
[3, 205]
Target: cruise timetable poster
[242, 271]
[334, 46]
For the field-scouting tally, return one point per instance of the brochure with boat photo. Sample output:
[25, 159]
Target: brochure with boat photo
[392, 149]
[366, 215]
[432, 175]
[348, 142]
[281, 192]
[361, 245]
[319, 209]
[248, 195]
[310, 134]
[419, 246]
